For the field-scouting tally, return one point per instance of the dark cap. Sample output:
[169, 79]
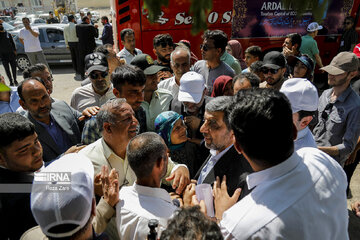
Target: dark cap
[306, 60]
[146, 63]
[274, 60]
[96, 61]
[341, 63]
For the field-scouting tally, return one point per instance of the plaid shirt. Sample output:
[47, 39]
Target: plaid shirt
[91, 131]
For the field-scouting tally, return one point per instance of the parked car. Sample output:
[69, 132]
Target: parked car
[8, 27]
[33, 21]
[52, 42]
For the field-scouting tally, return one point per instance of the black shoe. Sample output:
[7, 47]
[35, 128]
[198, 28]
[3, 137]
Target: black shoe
[12, 84]
[16, 83]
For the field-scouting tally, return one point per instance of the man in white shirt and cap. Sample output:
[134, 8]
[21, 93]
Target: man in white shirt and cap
[304, 100]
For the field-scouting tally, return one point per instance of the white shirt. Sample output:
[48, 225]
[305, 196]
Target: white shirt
[170, 85]
[139, 204]
[70, 33]
[85, 96]
[31, 43]
[304, 139]
[101, 154]
[125, 54]
[214, 158]
[303, 197]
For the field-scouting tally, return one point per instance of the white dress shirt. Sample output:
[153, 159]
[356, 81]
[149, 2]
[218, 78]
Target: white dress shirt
[214, 158]
[304, 139]
[303, 197]
[170, 85]
[31, 43]
[125, 54]
[139, 204]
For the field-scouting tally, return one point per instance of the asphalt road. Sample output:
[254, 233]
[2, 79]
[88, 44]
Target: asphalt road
[64, 85]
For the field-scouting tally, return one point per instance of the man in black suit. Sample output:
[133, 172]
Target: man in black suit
[86, 34]
[57, 125]
[223, 158]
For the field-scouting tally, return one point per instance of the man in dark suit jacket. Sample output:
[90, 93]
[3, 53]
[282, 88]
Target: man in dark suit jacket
[86, 34]
[20, 157]
[107, 34]
[57, 124]
[223, 158]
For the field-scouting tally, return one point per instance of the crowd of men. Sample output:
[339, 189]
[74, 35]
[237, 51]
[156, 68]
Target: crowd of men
[145, 141]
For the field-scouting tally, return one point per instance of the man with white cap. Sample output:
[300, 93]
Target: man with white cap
[303, 98]
[309, 45]
[338, 125]
[192, 94]
[62, 200]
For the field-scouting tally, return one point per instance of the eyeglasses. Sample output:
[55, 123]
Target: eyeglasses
[205, 47]
[325, 115]
[272, 71]
[94, 75]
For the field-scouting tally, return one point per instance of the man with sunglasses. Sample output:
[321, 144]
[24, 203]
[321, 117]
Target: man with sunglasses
[350, 37]
[274, 68]
[99, 90]
[211, 66]
[338, 127]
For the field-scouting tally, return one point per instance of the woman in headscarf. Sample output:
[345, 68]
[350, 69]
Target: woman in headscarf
[222, 86]
[171, 127]
[234, 48]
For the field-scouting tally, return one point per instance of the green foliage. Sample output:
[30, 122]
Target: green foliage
[302, 6]
[198, 9]
[154, 8]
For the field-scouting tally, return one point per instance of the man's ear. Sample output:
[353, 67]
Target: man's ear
[305, 121]
[22, 104]
[237, 147]
[154, 51]
[107, 127]
[93, 207]
[294, 131]
[116, 93]
[2, 160]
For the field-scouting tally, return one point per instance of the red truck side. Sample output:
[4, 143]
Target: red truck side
[238, 19]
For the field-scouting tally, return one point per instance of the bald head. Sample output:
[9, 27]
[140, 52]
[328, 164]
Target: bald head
[35, 99]
[180, 62]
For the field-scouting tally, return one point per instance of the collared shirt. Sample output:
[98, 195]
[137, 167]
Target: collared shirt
[139, 204]
[125, 54]
[341, 128]
[31, 43]
[288, 200]
[160, 102]
[214, 158]
[171, 85]
[276, 86]
[85, 96]
[13, 104]
[304, 139]
[59, 136]
[210, 75]
[70, 33]
[231, 61]
[91, 131]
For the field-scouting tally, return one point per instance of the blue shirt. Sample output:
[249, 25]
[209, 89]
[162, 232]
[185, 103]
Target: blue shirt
[58, 135]
[12, 105]
[304, 139]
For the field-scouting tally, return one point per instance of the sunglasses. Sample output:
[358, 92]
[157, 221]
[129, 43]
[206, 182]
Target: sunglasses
[272, 71]
[205, 47]
[94, 75]
[324, 114]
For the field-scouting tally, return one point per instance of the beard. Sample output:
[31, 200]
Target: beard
[163, 58]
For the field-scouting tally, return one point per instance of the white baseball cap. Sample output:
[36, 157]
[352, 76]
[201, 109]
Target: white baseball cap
[192, 85]
[312, 27]
[52, 208]
[301, 93]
